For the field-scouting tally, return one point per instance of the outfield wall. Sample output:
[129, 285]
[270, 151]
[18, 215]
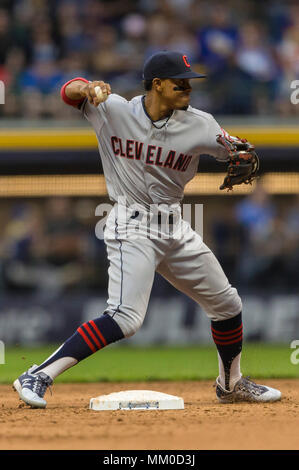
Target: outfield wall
[28, 320]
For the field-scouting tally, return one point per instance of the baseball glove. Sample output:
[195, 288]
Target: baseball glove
[243, 162]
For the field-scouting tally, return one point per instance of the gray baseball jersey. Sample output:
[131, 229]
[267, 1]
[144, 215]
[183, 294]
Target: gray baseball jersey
[146, 163]
[149, 164]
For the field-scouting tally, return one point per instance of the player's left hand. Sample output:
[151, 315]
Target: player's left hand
[243, 162]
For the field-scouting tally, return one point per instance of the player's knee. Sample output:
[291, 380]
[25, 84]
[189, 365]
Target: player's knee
[235, 304]
[231, 305]
[224, 306]
[129, 324]
[133, 326]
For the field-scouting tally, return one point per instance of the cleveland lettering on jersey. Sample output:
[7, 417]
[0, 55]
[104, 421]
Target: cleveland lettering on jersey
[132, 149]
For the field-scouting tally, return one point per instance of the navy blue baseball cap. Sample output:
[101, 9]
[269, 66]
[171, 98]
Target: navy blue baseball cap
[166, 64]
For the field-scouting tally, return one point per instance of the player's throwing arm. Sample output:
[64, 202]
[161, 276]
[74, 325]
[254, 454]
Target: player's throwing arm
[96, 92]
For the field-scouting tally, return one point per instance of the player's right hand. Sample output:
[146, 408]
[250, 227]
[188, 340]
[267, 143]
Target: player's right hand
[88, 91]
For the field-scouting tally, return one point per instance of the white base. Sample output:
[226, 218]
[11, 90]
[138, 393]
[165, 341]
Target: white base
[136, 400]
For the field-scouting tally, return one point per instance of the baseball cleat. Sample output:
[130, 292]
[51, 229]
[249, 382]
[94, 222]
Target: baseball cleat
[32, 387]
[246, 390]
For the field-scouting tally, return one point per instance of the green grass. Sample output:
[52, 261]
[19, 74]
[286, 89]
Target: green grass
[119, 364]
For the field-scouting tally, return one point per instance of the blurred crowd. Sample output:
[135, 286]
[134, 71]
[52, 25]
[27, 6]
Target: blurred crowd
[49, 247]
[257, 243]
[249, 51]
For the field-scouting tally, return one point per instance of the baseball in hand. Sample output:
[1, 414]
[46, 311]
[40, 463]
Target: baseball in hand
[101, 96]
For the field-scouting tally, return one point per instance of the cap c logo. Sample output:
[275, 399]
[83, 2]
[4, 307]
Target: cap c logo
[185, 59]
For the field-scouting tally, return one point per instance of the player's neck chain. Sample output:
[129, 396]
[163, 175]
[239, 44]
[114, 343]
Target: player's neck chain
[153, 122]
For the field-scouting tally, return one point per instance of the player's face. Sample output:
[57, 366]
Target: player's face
[176, 98]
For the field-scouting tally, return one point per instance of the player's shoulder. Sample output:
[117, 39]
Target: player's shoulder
[114, 106]
[196, 115]
[114, 97]
[117, 101]
[114, 101]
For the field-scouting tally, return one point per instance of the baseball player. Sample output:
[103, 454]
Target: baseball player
[150, 147]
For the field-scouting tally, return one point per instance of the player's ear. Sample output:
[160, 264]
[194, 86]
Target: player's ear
[157, 84]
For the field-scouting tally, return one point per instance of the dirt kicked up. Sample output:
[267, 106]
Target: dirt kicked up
[68, 423]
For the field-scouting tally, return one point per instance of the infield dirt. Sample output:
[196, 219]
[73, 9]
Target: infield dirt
[67, 422]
